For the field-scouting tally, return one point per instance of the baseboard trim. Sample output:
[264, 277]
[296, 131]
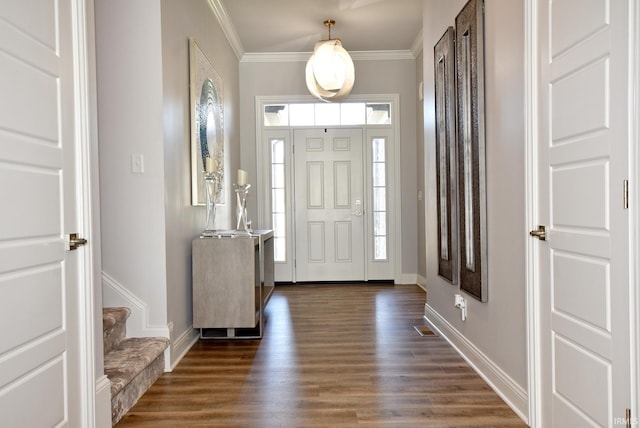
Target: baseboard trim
[115, 294]
[422, 282]
[408, 278]
[103, 402]
[182, 345]
[513, 394]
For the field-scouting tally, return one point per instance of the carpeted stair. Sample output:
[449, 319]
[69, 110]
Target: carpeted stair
[131, 364]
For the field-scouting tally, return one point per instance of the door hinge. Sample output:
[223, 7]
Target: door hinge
[75, 241]
[627, 415]
[625, 194]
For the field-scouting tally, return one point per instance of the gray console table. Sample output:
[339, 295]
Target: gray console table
[232, 283]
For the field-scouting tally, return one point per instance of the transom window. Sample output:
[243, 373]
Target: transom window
[325, 114]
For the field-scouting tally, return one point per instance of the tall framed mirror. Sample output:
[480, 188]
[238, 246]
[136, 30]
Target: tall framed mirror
[444, 71]
[472, 195]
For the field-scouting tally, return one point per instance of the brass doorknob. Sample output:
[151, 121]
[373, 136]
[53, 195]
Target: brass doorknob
[539, 233]
[75, 241]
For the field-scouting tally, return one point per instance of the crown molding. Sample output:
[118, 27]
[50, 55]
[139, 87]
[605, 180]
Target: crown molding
[227, 27]
[304, 56]
[231, 34]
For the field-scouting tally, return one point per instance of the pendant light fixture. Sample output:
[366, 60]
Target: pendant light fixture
[330, 74]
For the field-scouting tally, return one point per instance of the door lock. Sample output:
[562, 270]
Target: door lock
[358, 208]
[539, 233]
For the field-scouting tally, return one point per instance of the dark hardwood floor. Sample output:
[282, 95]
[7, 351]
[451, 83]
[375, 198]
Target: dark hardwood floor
[332, 355]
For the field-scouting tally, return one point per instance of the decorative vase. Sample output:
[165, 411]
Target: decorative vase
[241, 207]
[212, 181]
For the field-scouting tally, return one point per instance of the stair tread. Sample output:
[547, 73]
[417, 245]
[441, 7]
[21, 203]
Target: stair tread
[132, 356]
[111, 316]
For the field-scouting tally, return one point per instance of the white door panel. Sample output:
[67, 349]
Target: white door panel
[568, 30]
[328, 200]
[587, 277]
[39, 341]
[582, 161]
[587, 208]
[35, 387]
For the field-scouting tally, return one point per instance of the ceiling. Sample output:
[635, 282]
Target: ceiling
[281, 26]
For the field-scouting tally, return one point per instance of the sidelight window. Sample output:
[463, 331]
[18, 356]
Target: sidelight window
[278, 200]
[379, 199]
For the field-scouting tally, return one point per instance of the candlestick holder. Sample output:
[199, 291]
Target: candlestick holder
[241, 207]
[212, 185]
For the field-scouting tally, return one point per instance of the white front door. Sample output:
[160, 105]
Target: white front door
[41, 373]
[329, 205]
[583, 157]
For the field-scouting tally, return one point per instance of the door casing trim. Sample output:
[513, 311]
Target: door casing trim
[531, 196]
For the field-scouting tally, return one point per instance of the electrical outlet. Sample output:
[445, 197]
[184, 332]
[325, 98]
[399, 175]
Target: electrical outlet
[458, 300]
[461, 303]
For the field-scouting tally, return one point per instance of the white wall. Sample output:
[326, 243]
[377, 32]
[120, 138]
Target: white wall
[372, 77]
[148, 222]
[494, 335]
[129, 74]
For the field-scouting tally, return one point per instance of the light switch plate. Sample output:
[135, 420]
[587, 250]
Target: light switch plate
[137, 163]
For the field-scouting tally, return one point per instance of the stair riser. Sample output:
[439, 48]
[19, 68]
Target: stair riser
[114, 326]
[129, 395]
[113, 336]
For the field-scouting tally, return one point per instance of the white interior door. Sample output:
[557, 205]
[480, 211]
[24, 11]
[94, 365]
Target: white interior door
[582, 165]
[40, 369]
[329, 205]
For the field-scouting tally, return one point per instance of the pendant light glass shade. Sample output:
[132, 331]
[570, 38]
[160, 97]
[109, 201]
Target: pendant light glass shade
[330, 73]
